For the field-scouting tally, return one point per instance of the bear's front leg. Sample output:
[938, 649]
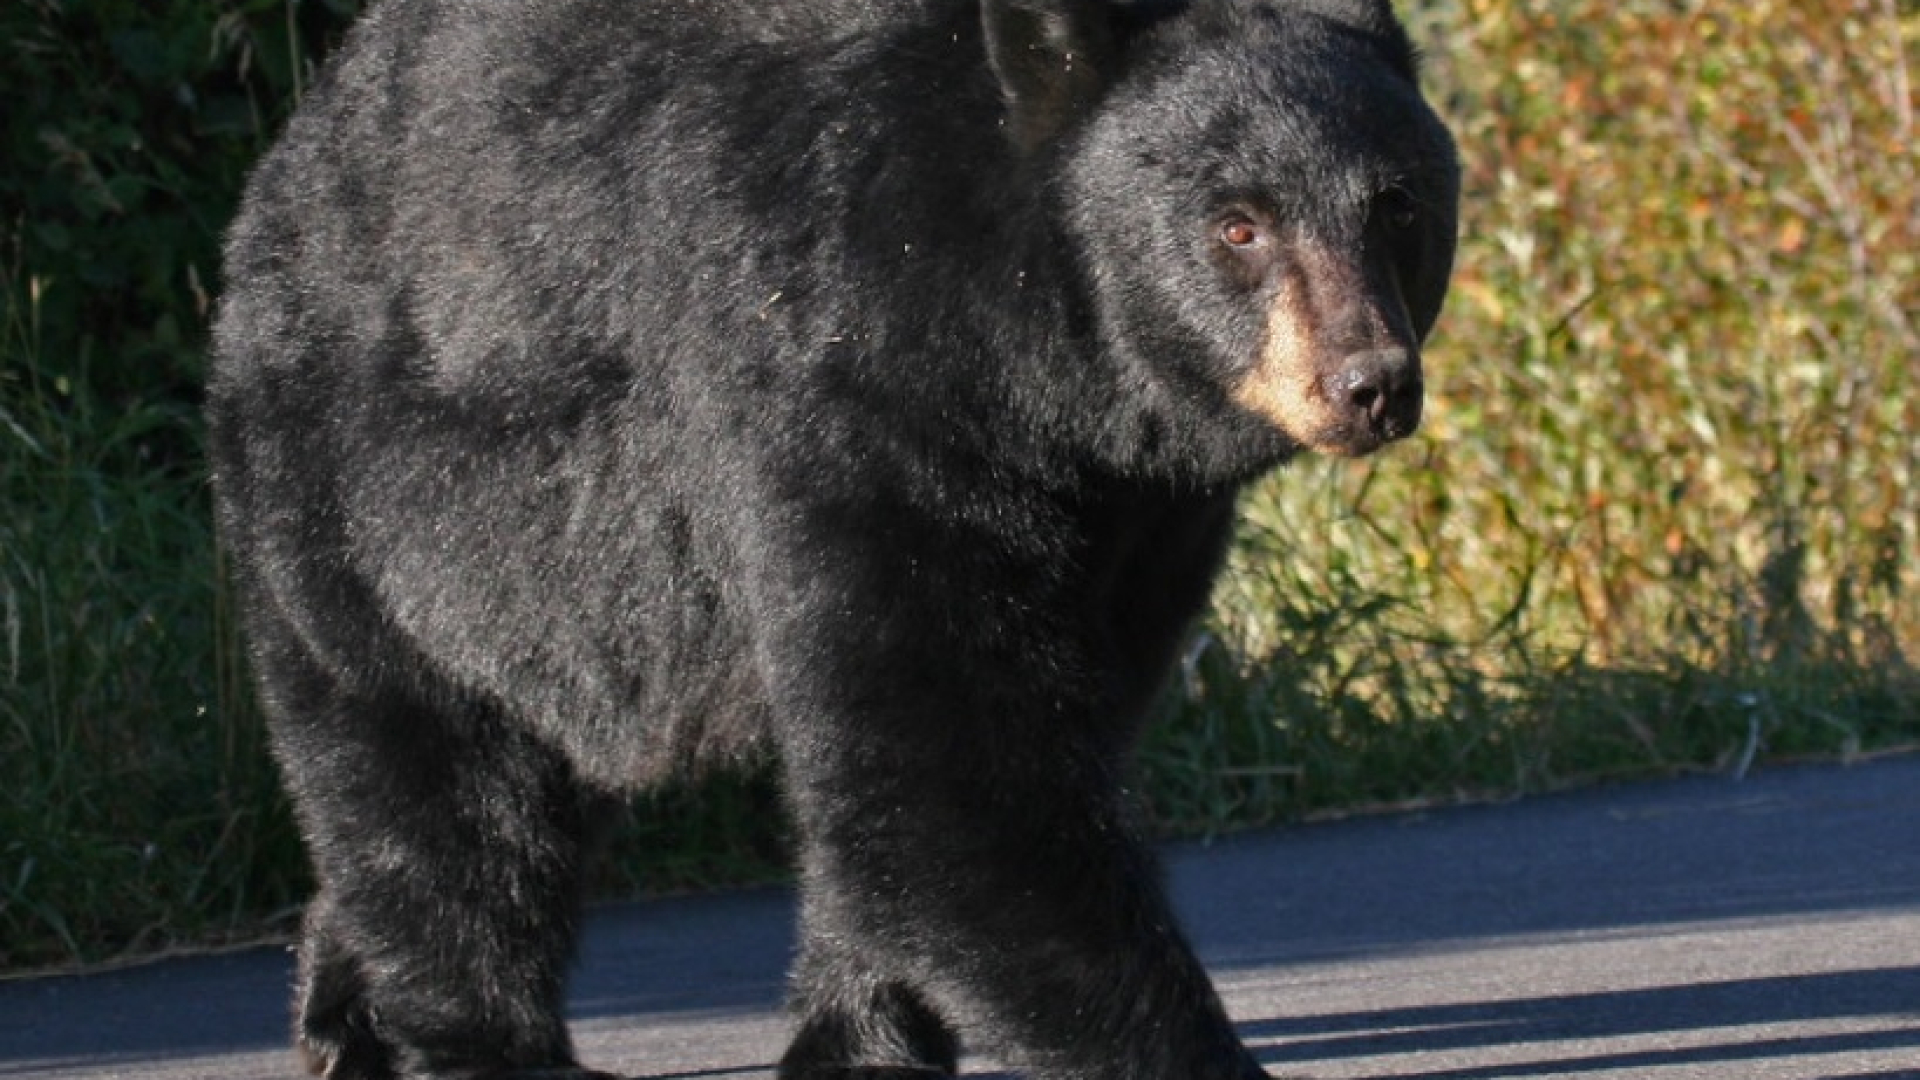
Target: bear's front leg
[954, 763]
[858, 1024]
[991, 876]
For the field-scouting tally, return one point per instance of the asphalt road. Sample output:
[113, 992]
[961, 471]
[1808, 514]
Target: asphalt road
[1762, 928]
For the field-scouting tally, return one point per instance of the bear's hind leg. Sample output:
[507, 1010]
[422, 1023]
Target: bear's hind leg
[448, 846]
[332, 1026]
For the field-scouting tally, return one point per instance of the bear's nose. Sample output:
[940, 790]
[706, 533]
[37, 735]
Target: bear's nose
[1382, 389]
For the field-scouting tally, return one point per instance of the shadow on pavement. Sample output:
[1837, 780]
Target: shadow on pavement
[1889, 993]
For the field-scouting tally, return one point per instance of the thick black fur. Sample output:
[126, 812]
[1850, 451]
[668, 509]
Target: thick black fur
[604, 386]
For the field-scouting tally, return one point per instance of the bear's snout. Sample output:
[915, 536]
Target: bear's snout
[1336, 372]
[1381, 391]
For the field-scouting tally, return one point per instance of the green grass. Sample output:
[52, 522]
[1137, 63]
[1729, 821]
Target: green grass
[135, 806]
[1662, 517]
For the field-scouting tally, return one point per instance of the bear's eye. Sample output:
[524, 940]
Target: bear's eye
[1239, 232]
[1399, 209]
[1243, 248]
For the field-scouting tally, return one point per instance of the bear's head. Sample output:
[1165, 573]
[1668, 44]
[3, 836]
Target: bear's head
[1262, 206]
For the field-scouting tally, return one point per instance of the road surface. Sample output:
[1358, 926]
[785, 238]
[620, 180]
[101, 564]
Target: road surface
[1738, 930]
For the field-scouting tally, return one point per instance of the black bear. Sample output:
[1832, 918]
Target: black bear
[607, 386]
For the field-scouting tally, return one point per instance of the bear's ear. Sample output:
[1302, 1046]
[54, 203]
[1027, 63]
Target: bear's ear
[1052, 58]
[1375, 19]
